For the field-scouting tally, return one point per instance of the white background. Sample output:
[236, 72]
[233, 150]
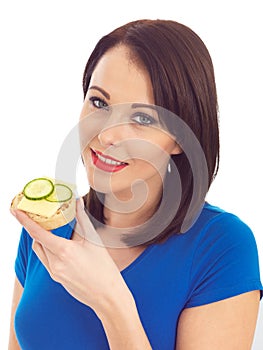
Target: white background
[44, 48]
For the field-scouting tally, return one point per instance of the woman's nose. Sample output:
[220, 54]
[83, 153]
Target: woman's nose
[111, 135]
[116, 127]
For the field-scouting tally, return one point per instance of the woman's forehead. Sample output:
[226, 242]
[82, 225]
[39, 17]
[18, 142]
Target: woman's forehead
[122, 78]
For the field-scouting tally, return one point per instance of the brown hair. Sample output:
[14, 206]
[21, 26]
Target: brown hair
[182, 77]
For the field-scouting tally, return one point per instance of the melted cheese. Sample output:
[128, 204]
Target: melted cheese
[40, 207]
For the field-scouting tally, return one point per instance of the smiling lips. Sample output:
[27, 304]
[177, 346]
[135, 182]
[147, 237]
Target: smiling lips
[106, 163]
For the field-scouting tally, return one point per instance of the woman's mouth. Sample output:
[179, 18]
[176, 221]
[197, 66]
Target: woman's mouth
[106, 163]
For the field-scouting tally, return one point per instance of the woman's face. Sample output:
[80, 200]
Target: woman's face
[121, 140]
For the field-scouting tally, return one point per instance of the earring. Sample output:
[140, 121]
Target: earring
[169, 169]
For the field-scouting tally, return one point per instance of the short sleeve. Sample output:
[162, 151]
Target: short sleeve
[23, 253]
[225, 263]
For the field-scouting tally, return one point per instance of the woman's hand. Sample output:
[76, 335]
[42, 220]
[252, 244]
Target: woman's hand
[84, 268]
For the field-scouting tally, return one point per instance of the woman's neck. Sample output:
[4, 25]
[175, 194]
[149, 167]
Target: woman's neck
[129, 209]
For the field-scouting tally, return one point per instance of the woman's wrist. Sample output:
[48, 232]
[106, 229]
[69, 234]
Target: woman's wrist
[122, 324]
[119, 298]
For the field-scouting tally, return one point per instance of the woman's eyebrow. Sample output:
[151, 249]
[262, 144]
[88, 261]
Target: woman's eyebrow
[104, 93]
[144, 105]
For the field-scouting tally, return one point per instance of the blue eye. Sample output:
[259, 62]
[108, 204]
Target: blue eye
[143, 119]
[98, 102]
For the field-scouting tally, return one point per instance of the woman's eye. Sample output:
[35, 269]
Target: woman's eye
[143, 119]
[98, 103]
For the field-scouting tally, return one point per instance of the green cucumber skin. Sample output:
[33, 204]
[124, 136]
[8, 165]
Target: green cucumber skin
[49, 194]
[41, 197]
[60, 201]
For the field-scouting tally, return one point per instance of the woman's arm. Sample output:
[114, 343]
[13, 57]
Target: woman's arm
[224, 325]
[122, 323]
[18, 290]
[87, 271]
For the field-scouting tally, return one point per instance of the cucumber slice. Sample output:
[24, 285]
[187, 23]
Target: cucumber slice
[39, 188]
[61, 193]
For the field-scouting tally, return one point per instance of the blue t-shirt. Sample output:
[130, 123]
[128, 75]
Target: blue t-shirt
[216, 259]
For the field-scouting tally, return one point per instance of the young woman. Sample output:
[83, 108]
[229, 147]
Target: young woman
[148, 263]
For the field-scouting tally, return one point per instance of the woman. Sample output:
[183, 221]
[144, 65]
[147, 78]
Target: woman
[168, 270]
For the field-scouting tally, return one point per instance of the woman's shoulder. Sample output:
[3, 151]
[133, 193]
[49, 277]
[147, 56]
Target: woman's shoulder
[214, 218]
[215, 226]
[224, 259]
[220, 231]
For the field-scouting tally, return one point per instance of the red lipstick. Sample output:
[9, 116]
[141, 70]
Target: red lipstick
[106, 163]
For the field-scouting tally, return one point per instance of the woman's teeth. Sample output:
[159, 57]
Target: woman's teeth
[109, 161]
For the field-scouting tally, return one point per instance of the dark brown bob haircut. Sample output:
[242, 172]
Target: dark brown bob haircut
[182, 77]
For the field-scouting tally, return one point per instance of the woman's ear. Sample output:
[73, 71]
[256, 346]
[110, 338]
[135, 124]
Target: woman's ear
[177, 149]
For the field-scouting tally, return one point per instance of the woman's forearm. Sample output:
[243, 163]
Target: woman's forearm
[122, 324]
